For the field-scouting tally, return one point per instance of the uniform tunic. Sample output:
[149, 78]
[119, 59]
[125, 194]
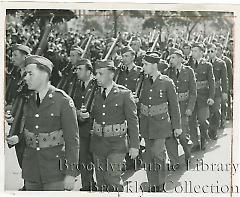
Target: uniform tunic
[56, 112]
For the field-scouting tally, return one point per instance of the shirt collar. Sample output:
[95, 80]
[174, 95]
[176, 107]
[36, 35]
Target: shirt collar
[108, 89]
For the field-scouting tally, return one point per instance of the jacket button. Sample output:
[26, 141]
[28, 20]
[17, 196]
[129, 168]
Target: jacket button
[126, 79]
[36, 115]
[103, 122]
[52, 114]
[36, 127]
[103, 106]
[82, 97]
[103, 114]
[150, 98]
[150, 90]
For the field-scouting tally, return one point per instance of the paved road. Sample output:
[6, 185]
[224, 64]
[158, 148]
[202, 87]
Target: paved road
[208, 172]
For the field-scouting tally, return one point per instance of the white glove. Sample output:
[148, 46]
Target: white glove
[12, 140]
[210, 101]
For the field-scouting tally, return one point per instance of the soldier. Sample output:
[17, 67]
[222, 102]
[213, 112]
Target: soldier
[205, 97]
[128, 77]
[19, 54]
[114, 111]
[159, 117]
[220, 74]
[187, 53]
[139, 53]
[85, 82]
[226, 110]
[50, 128]
[185, 81]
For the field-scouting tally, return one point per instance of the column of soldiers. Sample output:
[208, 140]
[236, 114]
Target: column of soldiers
[184, 97]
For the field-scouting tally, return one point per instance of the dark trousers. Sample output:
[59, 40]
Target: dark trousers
[86, 163]
[52, 186]
[215, 117]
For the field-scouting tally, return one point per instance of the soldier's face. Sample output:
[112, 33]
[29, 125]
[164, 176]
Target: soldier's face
[82, 73]
[104, 76]
[175, 60]
[17, 57]
[186, 50]
[74, 57]
[147, 67]
[128, 58]
[135, 45]
[35, 77]
[212, 52]
[197, 53]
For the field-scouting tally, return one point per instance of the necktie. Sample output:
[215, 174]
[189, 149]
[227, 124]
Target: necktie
[178, 73]
[104, 93]
[83, 86]
[196, 64]
[151, 80]
[38, 100]
[127, 71]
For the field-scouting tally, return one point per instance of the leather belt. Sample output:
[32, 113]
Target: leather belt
[43, 140]
[202, 84]
[183, 96]
[109, 130]
[154, 109]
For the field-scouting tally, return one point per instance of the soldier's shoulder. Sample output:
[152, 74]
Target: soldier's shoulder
[188, 68]
[59, 94]
[164, 77]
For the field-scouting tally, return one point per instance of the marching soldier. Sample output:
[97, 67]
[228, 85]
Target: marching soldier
[226, 110]
[50, 126]
[114, 111]
[128, 77]
[139, 53]
[220, 74]
[185, 81]
[84, 71]
[205, 97]
[159, 117]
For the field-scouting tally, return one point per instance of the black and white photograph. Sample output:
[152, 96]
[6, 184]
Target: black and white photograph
[121, 101]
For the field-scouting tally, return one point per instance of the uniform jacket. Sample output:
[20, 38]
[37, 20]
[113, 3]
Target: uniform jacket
[228, 62]
[115, 109]
[56, 112]
[204, 72]
[79, 99]
[220, 74]
[161, 91]
[129, 80]
[185, 82]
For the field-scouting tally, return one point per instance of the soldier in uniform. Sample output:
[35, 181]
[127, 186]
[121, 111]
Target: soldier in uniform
[205, 97]
[19, 54]
[185, 81]
[159, 118]
[220, 74]
[139, 53]
[50, 132]
[114, 112]
[85, 82]
[128, 77]
[226, 110]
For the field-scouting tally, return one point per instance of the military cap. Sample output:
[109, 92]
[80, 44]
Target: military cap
[104, 64]
[84, 61]
[209, 46]
[152, 57]
[21, 47]
[136, 38]
[77, 48]
[39, 60]
[178, 52]
[186, 44]
[199, 45]
[127, 49]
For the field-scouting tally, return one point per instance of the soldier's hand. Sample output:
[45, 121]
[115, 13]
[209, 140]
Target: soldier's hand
[177, 132]
[188, 112]
[83, 115]
[210, 101]
[69, 182]
[9, 118]
[224, 97]
[133, 152]
[12, 140]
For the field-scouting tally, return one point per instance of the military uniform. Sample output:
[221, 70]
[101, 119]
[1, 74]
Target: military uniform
[159, 116]
[85, 156]
[115, 129]
[185, 83]
[205, 89]
[220, 74]
[47, 130]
